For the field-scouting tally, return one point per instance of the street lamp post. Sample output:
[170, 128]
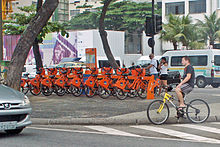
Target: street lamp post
[1, 37]
[153, 26]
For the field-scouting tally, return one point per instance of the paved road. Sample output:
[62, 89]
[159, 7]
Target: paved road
[83, 107]
[190, 135]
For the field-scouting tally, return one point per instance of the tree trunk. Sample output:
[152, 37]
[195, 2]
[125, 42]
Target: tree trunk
[175, 45]
[37, 55]
[26, 41]
[36, 48]
[103, 35]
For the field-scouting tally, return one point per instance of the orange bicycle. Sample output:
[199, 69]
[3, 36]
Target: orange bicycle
[47, 84]
[92, 83]
[25, 84]
[62, 84]
[106, 84]
[35, 84]
[77, 84]
[121, 92]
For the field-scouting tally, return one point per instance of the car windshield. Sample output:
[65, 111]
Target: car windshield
[217, 60]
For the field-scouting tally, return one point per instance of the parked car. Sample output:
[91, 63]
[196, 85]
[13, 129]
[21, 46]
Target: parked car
[15, 110]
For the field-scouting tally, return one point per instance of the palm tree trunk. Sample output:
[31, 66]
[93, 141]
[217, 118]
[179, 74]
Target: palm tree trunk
[175, 45]
[26, 41]
[103, 35]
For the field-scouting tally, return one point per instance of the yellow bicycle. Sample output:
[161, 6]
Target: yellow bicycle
[197, 110]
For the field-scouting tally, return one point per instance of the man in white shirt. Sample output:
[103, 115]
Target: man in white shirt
[153, 66]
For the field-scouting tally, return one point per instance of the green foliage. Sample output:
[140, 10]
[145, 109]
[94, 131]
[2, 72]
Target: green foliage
[85, 6]
[181, 29]
[121, 16]
[19, 21]
[210, 28]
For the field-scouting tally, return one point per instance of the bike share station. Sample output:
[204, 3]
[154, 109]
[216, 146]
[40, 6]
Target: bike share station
[92, 81]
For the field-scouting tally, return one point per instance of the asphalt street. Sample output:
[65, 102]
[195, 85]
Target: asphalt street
[190, 135]
[69, 106]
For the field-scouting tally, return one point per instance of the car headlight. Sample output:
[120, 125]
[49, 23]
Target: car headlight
[25, 102]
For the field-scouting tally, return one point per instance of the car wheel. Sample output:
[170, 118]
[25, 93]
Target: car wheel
[201, 82]
[215, 85]
[14, 132]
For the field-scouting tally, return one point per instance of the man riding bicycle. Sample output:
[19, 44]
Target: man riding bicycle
[187, 85]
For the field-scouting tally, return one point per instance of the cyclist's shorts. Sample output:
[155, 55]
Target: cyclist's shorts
[186, 88]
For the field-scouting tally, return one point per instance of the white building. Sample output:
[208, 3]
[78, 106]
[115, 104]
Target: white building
[195, 8]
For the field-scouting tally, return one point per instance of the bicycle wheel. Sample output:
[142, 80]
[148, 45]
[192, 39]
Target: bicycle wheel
[104, 93]
[158, 112]
[35, 90]
[132, 93]
[197, 111]
[46, 91]
[76, 91]
[89, 91]
[60, 91]
[142, 93]
[25, 89]
[121, 95]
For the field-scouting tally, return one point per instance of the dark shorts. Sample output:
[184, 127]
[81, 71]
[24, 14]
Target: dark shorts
[163, 77]
[186, 88]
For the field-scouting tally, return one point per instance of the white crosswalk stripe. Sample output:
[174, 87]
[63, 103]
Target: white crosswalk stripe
[215, 123]
[111, 131]
[177, 134]
[199, 127]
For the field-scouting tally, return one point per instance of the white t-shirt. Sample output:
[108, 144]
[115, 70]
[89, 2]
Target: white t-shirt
[163, 70]
[153, 69]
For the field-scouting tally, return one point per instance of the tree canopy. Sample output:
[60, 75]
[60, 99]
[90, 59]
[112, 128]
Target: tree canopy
[121, 16]
[19, 22]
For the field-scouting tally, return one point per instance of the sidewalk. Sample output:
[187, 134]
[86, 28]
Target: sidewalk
[69, 110]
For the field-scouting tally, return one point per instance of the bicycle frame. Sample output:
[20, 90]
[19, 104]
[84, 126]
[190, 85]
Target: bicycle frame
[167, 97]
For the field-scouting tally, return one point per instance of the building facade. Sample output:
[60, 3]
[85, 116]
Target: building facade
[195, 8]
[61, 14]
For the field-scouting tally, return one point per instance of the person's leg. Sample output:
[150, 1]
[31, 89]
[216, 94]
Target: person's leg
[155, 78]
[165, 84]
[180, 97]
[160, 86]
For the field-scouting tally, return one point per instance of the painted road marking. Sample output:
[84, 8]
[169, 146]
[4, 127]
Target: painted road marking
[199, 127]
[111, 131]
[101, 133]
[177, 134]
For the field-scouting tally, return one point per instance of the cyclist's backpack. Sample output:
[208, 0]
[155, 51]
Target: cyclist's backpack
[157, 68]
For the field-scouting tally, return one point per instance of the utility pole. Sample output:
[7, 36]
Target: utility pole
[1, 37]
[153, 26]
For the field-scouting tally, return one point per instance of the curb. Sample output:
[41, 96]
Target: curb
[109, 121]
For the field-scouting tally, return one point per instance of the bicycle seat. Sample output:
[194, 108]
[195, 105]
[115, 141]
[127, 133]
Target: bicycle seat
[79, 72]
[52, 76]
[107, 73]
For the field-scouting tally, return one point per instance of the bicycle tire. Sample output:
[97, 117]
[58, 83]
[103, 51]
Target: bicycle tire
[46, 91]
[194, 104]
[121, 95]
[35, 91]
[152, 117]
[89, 91]
[76, 91]
[25, 90]
[142, 93]
[104, 93]
[60, 91]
